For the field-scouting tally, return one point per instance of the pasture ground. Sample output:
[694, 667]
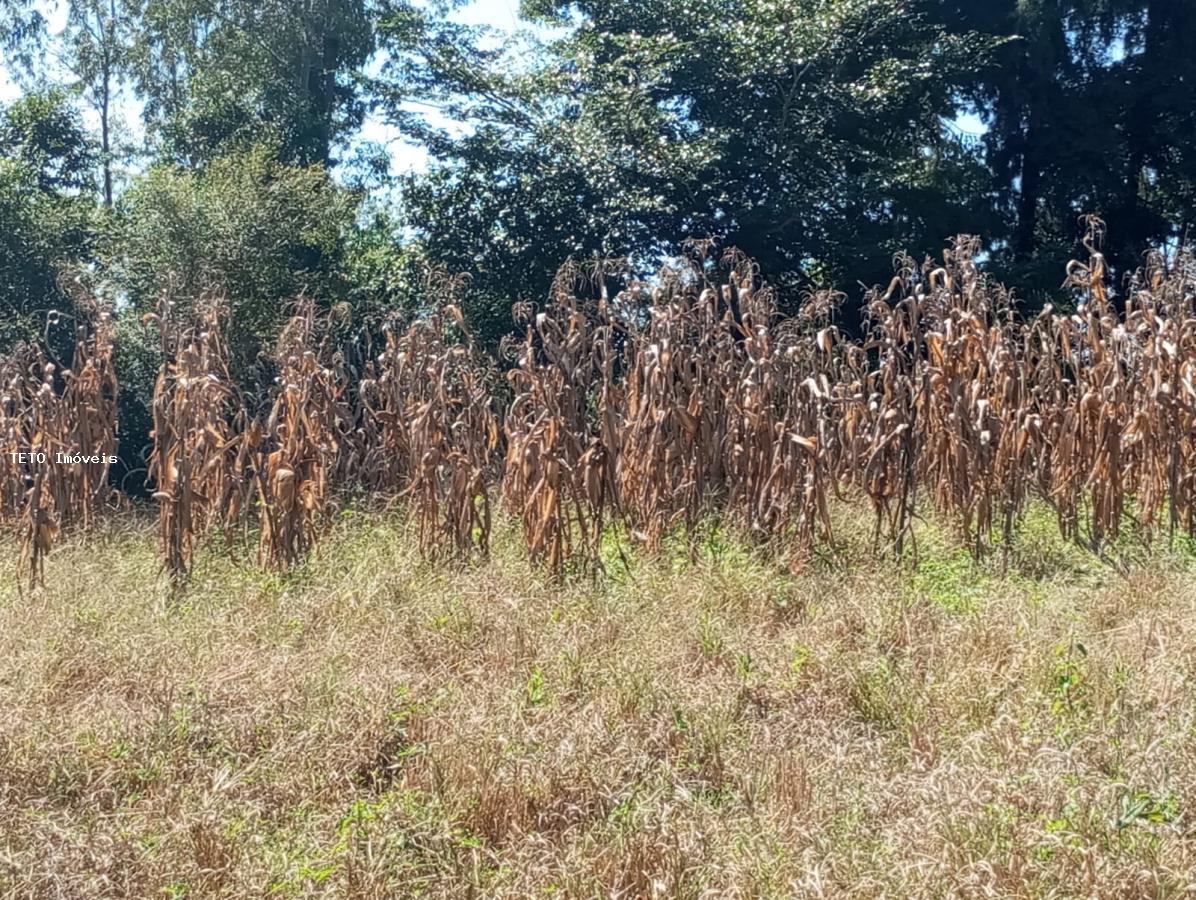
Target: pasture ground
[371, 725]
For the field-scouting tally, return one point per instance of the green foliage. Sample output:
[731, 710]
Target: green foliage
[1088, 107]
[382, 273]
[43, 132]
[810, 135]
[137, 358]
[98, 40]
[22, 32]
[952, 580]
[710, 641]
[246, 226]
[1040, 552]
[1069, 684]
[45, 222]
[211, 75]
[36, 232]
[1146, 807]
[535, 691]
[815, 136]
[878, 696]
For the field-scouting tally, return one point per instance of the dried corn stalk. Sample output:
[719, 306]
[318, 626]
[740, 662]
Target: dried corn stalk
[431, 415]
[653, 406]
[302, 441]
[201, 462]
[558, 429]
[59, 432]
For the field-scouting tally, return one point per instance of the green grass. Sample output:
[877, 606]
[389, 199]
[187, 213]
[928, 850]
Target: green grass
[700, 723]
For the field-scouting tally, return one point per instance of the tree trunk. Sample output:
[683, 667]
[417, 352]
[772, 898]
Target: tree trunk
[109, 31]
[1027, 198]
[105, 140]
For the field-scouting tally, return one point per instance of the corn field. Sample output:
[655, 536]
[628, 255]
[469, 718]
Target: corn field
[652, 407]
[47, 409]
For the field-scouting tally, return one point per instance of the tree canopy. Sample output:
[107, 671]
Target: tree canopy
[46, 210]
[820, 137]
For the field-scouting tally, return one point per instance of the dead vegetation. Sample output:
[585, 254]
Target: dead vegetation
[201, 461]
[433, 431]
[301, 442]
[656, 407]
[48, 409]
[863, 648]
[560, 431]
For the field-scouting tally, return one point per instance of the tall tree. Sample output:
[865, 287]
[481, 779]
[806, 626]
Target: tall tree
[98, 40]
[1089, 108]
[1159, 124]
[213, 71]
[46, 205]
[812, 135]
[256, 230]
[42, 132]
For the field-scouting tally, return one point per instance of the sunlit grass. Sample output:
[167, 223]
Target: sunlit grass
[704, 722]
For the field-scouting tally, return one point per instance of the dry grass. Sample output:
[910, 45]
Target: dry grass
[372, 725]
